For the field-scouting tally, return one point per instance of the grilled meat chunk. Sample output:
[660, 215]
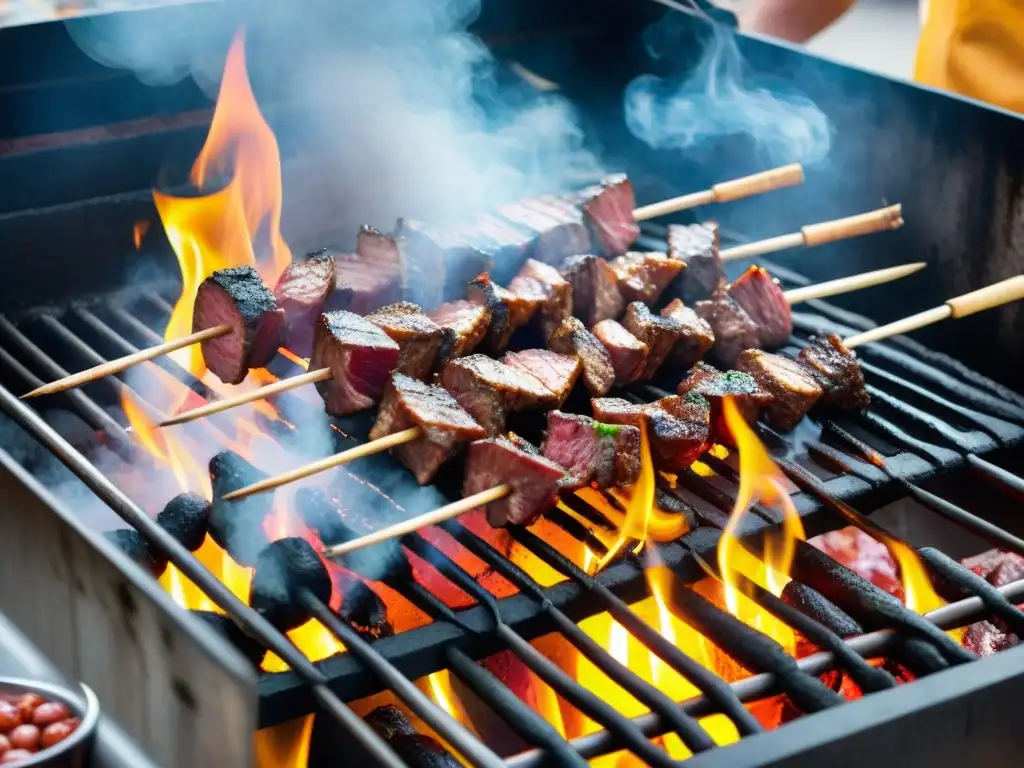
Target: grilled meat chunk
[237, 297]
[572, 338]
[302, 292]
[418, 337]
[608, 211]
[556, 228]
[628, 354]
[237, 526]
[660, 333]
[411, 403]
[734, 329]
[509, 312]
[713, 385]
[542, 283]
[373, 273]
[792, 387]
[696, 339]
[837, 372]
[361, 358]
[558, 373]
[764, 300]
[534, 480]
[464, 324]
[697, 246]
[592, 452]
[490, 390]
[678, 427]
[436, 263]
[644, 276]
[283, 572]
[506, 246]
[595, 289]
[186, 517]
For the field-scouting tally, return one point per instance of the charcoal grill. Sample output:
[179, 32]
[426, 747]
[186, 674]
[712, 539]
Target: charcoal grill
[941, 418]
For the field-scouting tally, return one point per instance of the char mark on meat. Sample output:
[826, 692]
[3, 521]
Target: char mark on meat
[464, 324]
[237, 526]
[509, 312]
[714, 385]
[733, 328]
[534, 480]
[595, 289]
[696, 245]
[608, 211]
[660, 333]
[556, 231]
[628, 354]
[644, 276]
[373, 274]
[592, 452]
[489, 390]
[302, 292]
[543, 284]
[837, 372]
[238, 298]
[792, 387]
[764, 300]
[360, 357]
[436, 263]
[418, 337]
[696, 340]
[572, 338]
[558, 373]
[678, 427]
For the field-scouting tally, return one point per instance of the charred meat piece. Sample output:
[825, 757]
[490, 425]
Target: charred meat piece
[237, 526]
[678, 427]
[302, 292]
[534, 480]
[361, 358]
[411, 403]
[659, 332]
[436, 263]
[132, 543]
[490, 390]
[713, 385]
[418, 337]
[628, 354]
[644, 276]
[186, 518]
[226, 628]
[734, 329]
[373, 274]
[606, 455]
[595, 289]
[414, 749]
[764, 300]
[509, 312]
[608, 211]
[558, 373]
[792, 387]
[542, 283]
[572, 338]
[464, 324]
[237, 297]
[696, 245]
[555, 227]
[283, 572]
[697, 337]
[837, 372]
[506, 246]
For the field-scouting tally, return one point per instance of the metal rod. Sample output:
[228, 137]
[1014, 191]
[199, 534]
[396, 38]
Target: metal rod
[1008, 482]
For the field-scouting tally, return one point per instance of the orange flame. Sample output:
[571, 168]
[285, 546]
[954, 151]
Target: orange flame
[139, 231]
[285, 745]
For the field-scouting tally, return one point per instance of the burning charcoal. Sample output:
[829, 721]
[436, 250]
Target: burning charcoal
[238, 297]
[628, 354]
[418, 337]
[659, 333]
[363, 608]
[697, 337]
[372, 275]
[998, 568]
[558, 373]
[608, 211]
[237, 526]
[509, 312]
[283, 571]
[678, 427]
[713, 385]
[489, 390]
[411, 403]
[645, 276]
[534, 480]
[734, 329]
[542, 283]
[226, 628]
[595, 288]
[557, 230]
[696, 245]
[361, 358]
[985, 639]
[764, 300]
[592, 452]
[186, 517]
[837, 372]
[131, 542]
[413, 749]
[302, 293]
[791, 386]
[505, 245]
[436, 263]
[464, 324]
[572, 338]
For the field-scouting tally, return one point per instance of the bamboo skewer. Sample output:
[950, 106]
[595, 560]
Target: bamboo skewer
[851, 283]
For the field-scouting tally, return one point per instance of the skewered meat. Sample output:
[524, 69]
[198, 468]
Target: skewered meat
[645, 276]
[509, 312]
[303, 292]
[764, 300]
[436, 263]
[696, 339]
[132, 543]
[413, 749]
[490, 390]
[237, 526]
[608, 211]
[542, 283]
[534, 480]
[595, 289]
[237, 297]
[226, 628]
[373, 273]
[283, 572]
[464, 324]
[734, 329]
[186, 518]
[792, 387]
[678, 427]
[837, 372]
[628, 354]
[697, 246]
[506, 246]
[361, 358]
[411, 403]
[714, 385]
[418, 337]
[592, 452]
[572, 338]
[558, 373]
[556, 232]
[660, 334]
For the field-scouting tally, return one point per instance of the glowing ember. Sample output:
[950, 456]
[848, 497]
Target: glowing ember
[139, 230]
[285, 745]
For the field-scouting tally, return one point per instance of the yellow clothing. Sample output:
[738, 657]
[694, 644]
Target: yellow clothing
[975, 48]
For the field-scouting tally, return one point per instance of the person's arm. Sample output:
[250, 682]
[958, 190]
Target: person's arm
[793, 20]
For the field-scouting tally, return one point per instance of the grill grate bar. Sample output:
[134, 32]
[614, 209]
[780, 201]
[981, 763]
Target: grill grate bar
[966, 583]
[1007, 482]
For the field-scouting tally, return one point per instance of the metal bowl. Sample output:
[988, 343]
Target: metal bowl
[76, 750]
